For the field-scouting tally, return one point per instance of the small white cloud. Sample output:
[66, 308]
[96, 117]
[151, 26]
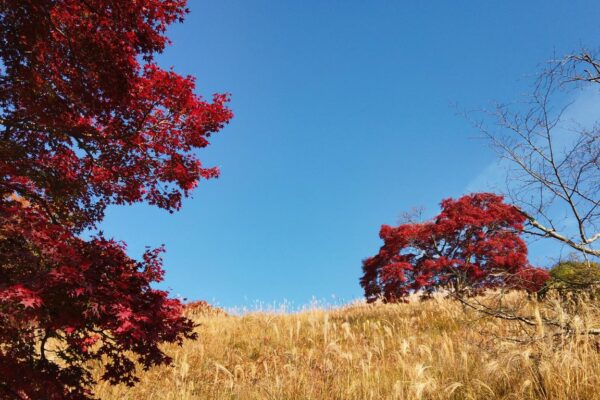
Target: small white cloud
[584, 112]
[491, 179]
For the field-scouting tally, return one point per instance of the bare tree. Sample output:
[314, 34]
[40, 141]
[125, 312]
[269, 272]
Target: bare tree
[554, 173]
[553, 176]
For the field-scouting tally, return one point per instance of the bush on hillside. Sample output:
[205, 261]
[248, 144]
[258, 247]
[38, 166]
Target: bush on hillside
[202, 307]
[574, 279]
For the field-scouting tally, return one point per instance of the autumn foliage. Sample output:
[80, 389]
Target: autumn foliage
[472, 245]
[88, 119]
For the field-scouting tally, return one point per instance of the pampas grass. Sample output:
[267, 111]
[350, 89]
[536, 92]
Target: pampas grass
[434, 349]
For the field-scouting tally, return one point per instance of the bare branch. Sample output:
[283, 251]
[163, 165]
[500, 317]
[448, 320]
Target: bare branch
[556, 174]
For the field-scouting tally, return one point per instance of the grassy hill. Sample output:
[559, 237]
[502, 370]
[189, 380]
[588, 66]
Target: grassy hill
[420, 350]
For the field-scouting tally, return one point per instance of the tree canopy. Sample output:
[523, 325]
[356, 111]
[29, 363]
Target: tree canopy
[88, 119]
[472, 245]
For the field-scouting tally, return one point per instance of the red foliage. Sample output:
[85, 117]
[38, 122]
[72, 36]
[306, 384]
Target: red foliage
[88, 119]
[87, 296]
[85, 124]
[472, 245]
[529, 279]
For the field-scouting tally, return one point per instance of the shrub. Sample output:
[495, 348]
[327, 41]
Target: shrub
[573, 279]
[202, 307]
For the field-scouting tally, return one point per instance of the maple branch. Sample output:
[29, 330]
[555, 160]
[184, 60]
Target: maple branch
[35, 197]
[43, 345]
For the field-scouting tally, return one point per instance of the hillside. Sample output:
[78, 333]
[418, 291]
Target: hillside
[420, 350]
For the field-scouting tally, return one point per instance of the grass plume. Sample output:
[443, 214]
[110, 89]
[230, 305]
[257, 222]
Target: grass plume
[435, 349]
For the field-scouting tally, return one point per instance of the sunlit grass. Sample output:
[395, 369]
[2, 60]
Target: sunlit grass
[420, 350]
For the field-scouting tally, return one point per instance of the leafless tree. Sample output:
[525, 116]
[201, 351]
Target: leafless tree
[554, 173]
[553, 176]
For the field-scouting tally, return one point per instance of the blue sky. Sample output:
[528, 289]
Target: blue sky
[344, 118]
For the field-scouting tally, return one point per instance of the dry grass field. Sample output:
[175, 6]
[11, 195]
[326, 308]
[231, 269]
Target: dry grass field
[420, 350]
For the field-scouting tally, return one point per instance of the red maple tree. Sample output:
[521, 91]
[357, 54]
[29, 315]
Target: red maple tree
[88, 119]
[472, 245]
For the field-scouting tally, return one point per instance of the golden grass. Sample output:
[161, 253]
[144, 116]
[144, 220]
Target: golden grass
[420, 350]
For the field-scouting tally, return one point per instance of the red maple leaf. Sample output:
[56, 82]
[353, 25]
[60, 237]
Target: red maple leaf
[31, 302]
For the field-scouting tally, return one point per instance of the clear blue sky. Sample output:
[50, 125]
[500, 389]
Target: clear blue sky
[343, 119]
